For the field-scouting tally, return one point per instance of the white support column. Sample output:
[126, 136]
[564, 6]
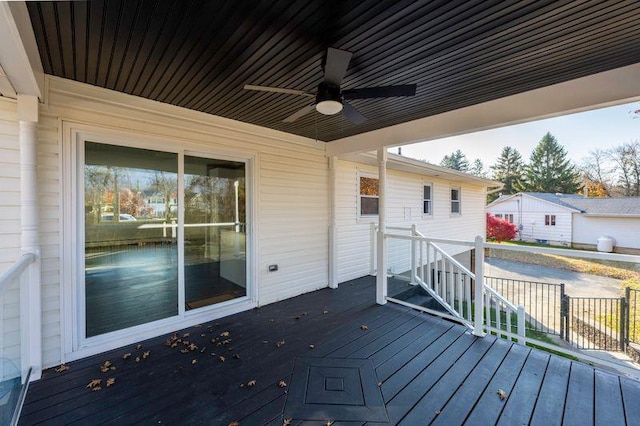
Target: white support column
[333, 225]
[414, 246]
[30, 302]
[381, 276]
[479, 293]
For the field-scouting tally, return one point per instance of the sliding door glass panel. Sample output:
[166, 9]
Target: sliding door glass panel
[131, 256]
[214, 231]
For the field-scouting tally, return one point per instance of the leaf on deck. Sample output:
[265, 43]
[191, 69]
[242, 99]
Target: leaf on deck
[222, 359]
[251, 383]
[62, 368]
[93, 383]
[287, 422]
[111, 381]
[502, 394]
[146, 354]
[234, 424]
[280, 343]
[138, 346]
[364, 327]
[127, 355]
[282, 384]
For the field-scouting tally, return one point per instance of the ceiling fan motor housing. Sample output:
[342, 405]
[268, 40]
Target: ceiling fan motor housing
[327, 97]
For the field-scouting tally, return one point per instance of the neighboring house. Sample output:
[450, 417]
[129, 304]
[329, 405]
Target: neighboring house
[571, 219]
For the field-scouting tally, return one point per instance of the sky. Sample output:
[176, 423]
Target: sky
[579, 134]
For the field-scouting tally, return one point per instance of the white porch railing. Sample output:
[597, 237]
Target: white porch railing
[449, 282]
[14, 373]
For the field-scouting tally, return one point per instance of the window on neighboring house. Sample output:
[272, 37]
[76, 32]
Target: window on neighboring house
[498, 215]
[550, 220]
[455, 200]
[508, 218]
[427, 200]
[368, 196]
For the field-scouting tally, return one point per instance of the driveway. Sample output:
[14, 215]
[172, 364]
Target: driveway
[576, 284]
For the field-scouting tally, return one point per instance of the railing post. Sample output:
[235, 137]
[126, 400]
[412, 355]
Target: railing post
[521, 324]
[624, 323]
[627, 329]
[372, 252]
[414, 267]
[479, 287]
[381, 276]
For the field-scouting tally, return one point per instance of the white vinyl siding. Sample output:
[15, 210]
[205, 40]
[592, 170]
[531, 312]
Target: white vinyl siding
[625, 230]
[404, 208]
[531, 216]
[291, 205]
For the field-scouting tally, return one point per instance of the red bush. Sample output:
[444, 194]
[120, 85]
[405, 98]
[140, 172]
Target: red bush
[500, 229]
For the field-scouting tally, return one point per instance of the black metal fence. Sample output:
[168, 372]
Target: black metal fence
[586, 322]
[542, 302]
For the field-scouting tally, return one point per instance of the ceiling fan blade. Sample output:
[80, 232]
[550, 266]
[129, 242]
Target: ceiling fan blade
[352, 114]
[380, 92]
[335, 66]
[304, 111]
[278, 90]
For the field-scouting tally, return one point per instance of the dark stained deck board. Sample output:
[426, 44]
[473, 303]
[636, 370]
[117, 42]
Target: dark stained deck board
[464, 398]
[608, 399]
[431, 404]
[579, 406]
[521, 401]
[550, 404]
[630, 397]
[431, 371]
[488, 408]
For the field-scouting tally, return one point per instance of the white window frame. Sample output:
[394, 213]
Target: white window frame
[75, 344]
[430, 200]
[458, 201]
[360, 196]
[550, 220]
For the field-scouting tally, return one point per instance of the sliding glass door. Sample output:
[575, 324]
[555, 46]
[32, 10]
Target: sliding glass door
[141, 256]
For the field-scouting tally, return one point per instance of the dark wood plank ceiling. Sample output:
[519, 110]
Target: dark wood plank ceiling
[199, 54]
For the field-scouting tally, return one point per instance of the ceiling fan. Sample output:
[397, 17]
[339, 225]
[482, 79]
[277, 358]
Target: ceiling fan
[330, 99]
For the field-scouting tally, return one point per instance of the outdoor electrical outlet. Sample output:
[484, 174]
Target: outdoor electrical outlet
[273, 268]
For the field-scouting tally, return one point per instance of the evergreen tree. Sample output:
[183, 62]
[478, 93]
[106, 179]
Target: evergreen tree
[549, 170]
[456, 161]
[509, 170]
[477, 168]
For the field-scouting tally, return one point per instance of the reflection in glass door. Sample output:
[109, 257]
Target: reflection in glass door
[131, 256]
[214, 231]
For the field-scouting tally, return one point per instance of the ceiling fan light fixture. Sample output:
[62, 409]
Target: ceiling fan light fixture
[329, 107]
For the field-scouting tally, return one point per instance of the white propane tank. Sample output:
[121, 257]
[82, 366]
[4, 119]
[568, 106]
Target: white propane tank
[606, 243]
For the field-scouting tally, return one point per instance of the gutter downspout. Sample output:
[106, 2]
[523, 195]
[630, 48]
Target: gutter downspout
[333, 223]
[30, 294]
[381, 276]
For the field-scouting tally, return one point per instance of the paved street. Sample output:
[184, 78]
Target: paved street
[576, 284]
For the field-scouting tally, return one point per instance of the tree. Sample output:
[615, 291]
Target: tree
[549, 170]
[509, 169]
[500, 229]
[626, 160]
[477, 168]
[456, 161]
[165, 184]
[596, 175]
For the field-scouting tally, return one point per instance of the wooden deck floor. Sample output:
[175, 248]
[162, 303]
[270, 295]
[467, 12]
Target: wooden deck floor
[429, 371]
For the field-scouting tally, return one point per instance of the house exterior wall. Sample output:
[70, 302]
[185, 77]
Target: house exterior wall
[531, 215]
[404, 208]
[9, 228]
[625, 230]
[291, 198]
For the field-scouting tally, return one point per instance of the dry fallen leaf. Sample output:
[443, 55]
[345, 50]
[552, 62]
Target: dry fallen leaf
[265, 342]
[185, 335]
[251, 383]
[325, 312]
[193, 361]
[437, 412]
[234, 424]
[105, 367]
[193, 347]
[137, 359]
[202, 350]
[364, 327]
[224, 334]
[62, 368]
[502, 394]
[282, 384]
[138, 346]
[95, 389]
[312, 346]
[222, 359]
[329, 422]
[236, 356]
[127, 355]
[93, 383]
[286, 422]
[280, 343]
[184, 351]
[379, 384]
[111, 381]
[146, 354]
